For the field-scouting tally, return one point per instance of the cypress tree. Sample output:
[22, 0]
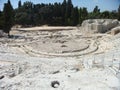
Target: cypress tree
[74, 16]
[96, 13]
[119, 12]
[19, 4]
[64, 11]
[8, 17]
[1, 20]
[80, 15]
[119, 9]
[96, 10]
[69, 8]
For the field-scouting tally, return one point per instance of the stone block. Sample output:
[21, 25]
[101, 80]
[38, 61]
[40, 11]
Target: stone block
[115, 31]
[99, 25]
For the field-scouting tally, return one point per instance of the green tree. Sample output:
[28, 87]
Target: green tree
[105, 14]
[24, 15]
[96, 9]
[119, 12]
[64, 11]
[95, 14]
[8, 17]
[1, 20]
[83, 14]
[69, 8]
[74, 16]
[80, 15]
[19, 4]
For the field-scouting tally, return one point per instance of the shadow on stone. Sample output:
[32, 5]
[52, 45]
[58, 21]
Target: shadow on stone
[55, 84]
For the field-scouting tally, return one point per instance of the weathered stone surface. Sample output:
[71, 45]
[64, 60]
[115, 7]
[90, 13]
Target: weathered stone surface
[115, 30]
[99, 25]
[1, 33]
[58, 60]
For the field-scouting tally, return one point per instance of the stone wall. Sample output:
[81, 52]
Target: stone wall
[99, 25]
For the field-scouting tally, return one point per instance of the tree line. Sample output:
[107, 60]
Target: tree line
[57, 14]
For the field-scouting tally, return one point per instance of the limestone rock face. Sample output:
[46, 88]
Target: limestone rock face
[1, 33]
[99, 25]
[115, 30]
